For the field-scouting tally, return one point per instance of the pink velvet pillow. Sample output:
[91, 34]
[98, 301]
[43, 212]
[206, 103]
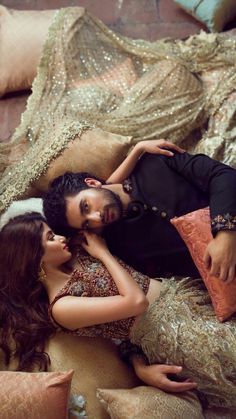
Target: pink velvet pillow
[195, 230]
[42, 395]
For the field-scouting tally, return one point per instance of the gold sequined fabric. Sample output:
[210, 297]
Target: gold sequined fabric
[89, 76]
[180, 328]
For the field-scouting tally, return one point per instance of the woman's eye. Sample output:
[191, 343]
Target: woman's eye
[51, 238]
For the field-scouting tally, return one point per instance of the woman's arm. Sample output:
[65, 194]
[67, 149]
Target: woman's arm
[150, 146]
[76, 312]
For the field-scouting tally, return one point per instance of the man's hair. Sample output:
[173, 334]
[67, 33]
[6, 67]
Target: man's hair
[54, 201]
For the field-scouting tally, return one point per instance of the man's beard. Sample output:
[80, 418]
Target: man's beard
[112, 202]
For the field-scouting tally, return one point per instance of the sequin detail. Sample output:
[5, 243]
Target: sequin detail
[223, 222]
[180, 328]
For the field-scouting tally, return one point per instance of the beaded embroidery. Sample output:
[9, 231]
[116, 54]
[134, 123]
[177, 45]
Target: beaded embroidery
[223, 222]
[93, 280]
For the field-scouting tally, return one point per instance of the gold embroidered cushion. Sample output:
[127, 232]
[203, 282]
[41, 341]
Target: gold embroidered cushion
[96, 151]
[42, 395]
[22, 34]
[149, 403]
[195, 230]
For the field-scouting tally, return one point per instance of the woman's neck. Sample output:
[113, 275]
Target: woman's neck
[56, 278]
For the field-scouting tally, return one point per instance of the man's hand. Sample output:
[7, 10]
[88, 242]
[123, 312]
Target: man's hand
[158, 147]
[220, 256]
[156, 376]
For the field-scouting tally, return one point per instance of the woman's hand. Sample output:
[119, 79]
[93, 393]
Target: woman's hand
[158, 147]
[95, 245]
[156, 375]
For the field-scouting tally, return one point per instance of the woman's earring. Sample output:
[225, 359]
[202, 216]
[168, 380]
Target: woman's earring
[42, 273]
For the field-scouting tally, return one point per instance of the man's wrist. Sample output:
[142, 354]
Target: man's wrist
[226, 222]
[230, 234]
[138, 149]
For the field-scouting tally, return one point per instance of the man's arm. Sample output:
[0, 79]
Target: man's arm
[150, 146]
[219, 181]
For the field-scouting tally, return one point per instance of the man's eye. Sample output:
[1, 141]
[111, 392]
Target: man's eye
[86, 207]
[86, 225]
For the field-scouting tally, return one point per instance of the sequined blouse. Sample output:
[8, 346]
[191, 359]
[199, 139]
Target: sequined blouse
[93, 280]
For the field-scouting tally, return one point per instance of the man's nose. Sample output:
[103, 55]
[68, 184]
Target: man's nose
[94, 216]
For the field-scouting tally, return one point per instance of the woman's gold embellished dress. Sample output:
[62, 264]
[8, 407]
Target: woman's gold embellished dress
[89, 76]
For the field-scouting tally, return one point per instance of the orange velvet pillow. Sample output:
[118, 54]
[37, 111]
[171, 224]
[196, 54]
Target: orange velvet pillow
[35, 395]
[195, 230]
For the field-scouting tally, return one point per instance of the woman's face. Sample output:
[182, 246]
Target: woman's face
[56, 251]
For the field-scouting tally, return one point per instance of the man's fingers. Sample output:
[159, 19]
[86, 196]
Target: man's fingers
[215, 268]
[223, 273]
[168, 144]
[164, 152]
[231, 275]
[207, 259]
[177, 148]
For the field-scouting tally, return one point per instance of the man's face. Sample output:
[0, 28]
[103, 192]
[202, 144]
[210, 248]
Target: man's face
[93, 208]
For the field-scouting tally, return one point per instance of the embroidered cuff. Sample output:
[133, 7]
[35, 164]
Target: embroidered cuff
[126, 349]
[223, 222]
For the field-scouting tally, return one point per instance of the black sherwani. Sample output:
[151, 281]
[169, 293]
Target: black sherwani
[162, 188]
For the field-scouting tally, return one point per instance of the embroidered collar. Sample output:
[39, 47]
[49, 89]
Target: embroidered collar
[127, 186]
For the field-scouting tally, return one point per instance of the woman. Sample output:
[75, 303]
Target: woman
[172, 322]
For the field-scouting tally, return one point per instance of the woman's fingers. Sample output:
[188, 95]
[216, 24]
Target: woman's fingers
[170, 369]
[175, 386]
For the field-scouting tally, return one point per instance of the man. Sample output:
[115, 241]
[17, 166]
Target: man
[135, 214]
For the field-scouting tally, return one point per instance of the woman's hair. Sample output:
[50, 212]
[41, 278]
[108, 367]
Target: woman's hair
[25, 321]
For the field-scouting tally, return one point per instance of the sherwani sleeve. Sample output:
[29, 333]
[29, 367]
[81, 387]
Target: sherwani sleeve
[214, 178]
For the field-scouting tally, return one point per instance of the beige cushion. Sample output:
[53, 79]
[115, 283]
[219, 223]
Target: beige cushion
[34, 395]
[96, 151]
[95, 362]
[150, 403]
[21, 207]
[22, 34]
